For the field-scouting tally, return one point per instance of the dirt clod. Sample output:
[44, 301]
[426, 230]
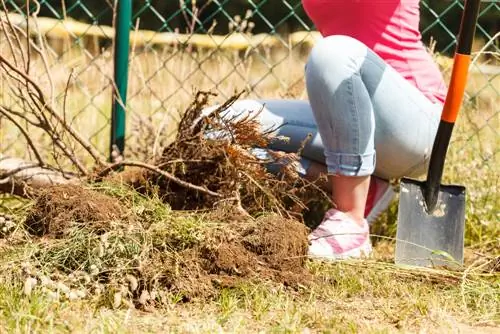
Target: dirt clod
[61, 207]
[266, 248]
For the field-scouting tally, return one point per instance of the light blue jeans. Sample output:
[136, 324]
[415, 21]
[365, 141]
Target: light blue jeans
[364, 117]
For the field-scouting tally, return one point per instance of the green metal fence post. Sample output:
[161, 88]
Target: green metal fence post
[121, 58]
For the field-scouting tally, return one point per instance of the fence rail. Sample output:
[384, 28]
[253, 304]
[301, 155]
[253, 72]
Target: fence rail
[167, 63]
[64, 29]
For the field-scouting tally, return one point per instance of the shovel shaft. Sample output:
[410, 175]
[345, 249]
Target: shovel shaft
[453, 102]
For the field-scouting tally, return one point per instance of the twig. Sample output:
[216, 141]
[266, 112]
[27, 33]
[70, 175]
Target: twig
[28, 40]
[25, 134]
[5, 176]
[43, 55]
[11, 46]
[155, 169]
[44, 106]
[66, 88]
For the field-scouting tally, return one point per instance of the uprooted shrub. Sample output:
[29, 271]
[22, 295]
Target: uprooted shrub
[213, 153]
[202, 215]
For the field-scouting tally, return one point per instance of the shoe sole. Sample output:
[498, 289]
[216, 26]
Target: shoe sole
[362, 252]
[382, 205]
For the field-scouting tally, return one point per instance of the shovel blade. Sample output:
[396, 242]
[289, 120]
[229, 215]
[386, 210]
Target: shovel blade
[435, 239]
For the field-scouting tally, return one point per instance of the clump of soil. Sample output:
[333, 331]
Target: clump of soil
[59, 208]
[269, 247]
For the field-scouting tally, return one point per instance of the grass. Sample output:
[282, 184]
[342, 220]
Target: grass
[348, 297]
[372, 296]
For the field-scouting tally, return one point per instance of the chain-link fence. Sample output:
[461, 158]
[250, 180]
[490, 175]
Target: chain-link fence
[177, 47]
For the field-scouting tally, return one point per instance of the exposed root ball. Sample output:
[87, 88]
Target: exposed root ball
[280, 243]
[59, 208]
[269, 247]
[214, 153]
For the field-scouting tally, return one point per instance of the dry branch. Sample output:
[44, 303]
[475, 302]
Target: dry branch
[160, 172]
[196, 171]
[19, 177]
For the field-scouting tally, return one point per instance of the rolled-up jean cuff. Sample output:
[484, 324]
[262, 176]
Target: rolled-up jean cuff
[350, 164]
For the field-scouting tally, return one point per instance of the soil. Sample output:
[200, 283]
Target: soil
[267, 248]
[59, 208]
[239, 250]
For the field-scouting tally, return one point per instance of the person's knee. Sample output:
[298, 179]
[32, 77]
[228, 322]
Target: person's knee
[331, 65]
[334, 51]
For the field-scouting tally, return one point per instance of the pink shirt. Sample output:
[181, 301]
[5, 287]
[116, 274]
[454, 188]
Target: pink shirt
[390, 28]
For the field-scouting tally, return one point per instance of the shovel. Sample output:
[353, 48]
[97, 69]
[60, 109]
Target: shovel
[431, 216]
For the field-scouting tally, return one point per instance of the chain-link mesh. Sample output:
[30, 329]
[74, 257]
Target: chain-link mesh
[220, 45]
[74, 72]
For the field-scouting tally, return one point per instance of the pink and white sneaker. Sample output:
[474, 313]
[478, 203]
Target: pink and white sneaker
[339, 237]
[380, 195]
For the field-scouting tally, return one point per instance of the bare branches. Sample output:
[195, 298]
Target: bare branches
[31, 108]
[163, 173]
[39, 99]
[21, 178]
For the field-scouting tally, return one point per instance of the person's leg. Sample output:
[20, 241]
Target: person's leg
[294, 119]
[289, 118]
[371, 120]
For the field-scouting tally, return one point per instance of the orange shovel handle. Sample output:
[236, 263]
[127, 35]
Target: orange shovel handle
[456, 88]
[453, 102]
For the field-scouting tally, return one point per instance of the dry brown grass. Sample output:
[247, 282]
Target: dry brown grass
[162, 83]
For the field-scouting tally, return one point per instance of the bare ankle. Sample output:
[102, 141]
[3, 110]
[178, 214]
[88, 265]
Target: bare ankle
[349, 194]
[356, 218]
